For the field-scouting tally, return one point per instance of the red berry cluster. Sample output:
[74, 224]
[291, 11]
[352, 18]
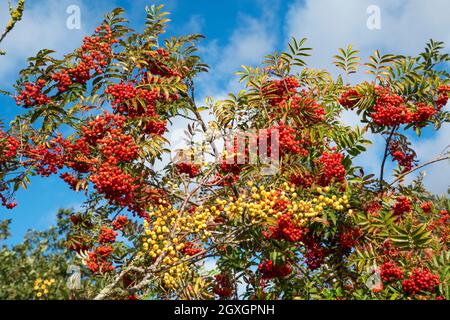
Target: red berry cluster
[223, 286]
[421, 280]
[78, 155]
[104, 251]
[404, 160]
[229, 168]
[422, 114]
[331, 168]
[62, 79]
[189, 249]
[97, 260]
[226, 177]
[150, 96]
[117, 147]
[281, 89]
[123, 92]
[426, 206]
[349, 98]
[270, 270]
[389, 109]
[156, 127]
[390, 272]
[32, 95]
[406, 157]
[7, 204]
[402, 206]
[285, 230]
[441, 225]
[280, 204]
[348, 238]
[442, 96]
[120, 222]
[287, 141]
[94, 54]
[99, 127]
[81, 73]
[302, 179]
[47, 160]
[107, 235]
[99, 152]
[191, 169]
[444, 225]
[117, 186]
[8, 147]
[315, 253]
[284, 97]
[70, 180]
[373, 207]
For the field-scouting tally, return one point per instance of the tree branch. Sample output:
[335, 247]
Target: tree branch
[383, 163]
[447, 157]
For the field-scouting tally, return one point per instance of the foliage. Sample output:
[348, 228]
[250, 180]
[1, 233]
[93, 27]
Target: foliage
[41, 255]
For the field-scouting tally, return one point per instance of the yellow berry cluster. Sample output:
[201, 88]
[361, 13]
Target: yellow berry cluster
[172, 278]
[261, 204]
[41, 287]
[167, 231]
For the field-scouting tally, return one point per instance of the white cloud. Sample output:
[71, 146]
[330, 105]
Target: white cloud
[194, 25]
[248, 44]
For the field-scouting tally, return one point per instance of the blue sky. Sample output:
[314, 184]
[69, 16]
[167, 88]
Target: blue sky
[238, 32]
